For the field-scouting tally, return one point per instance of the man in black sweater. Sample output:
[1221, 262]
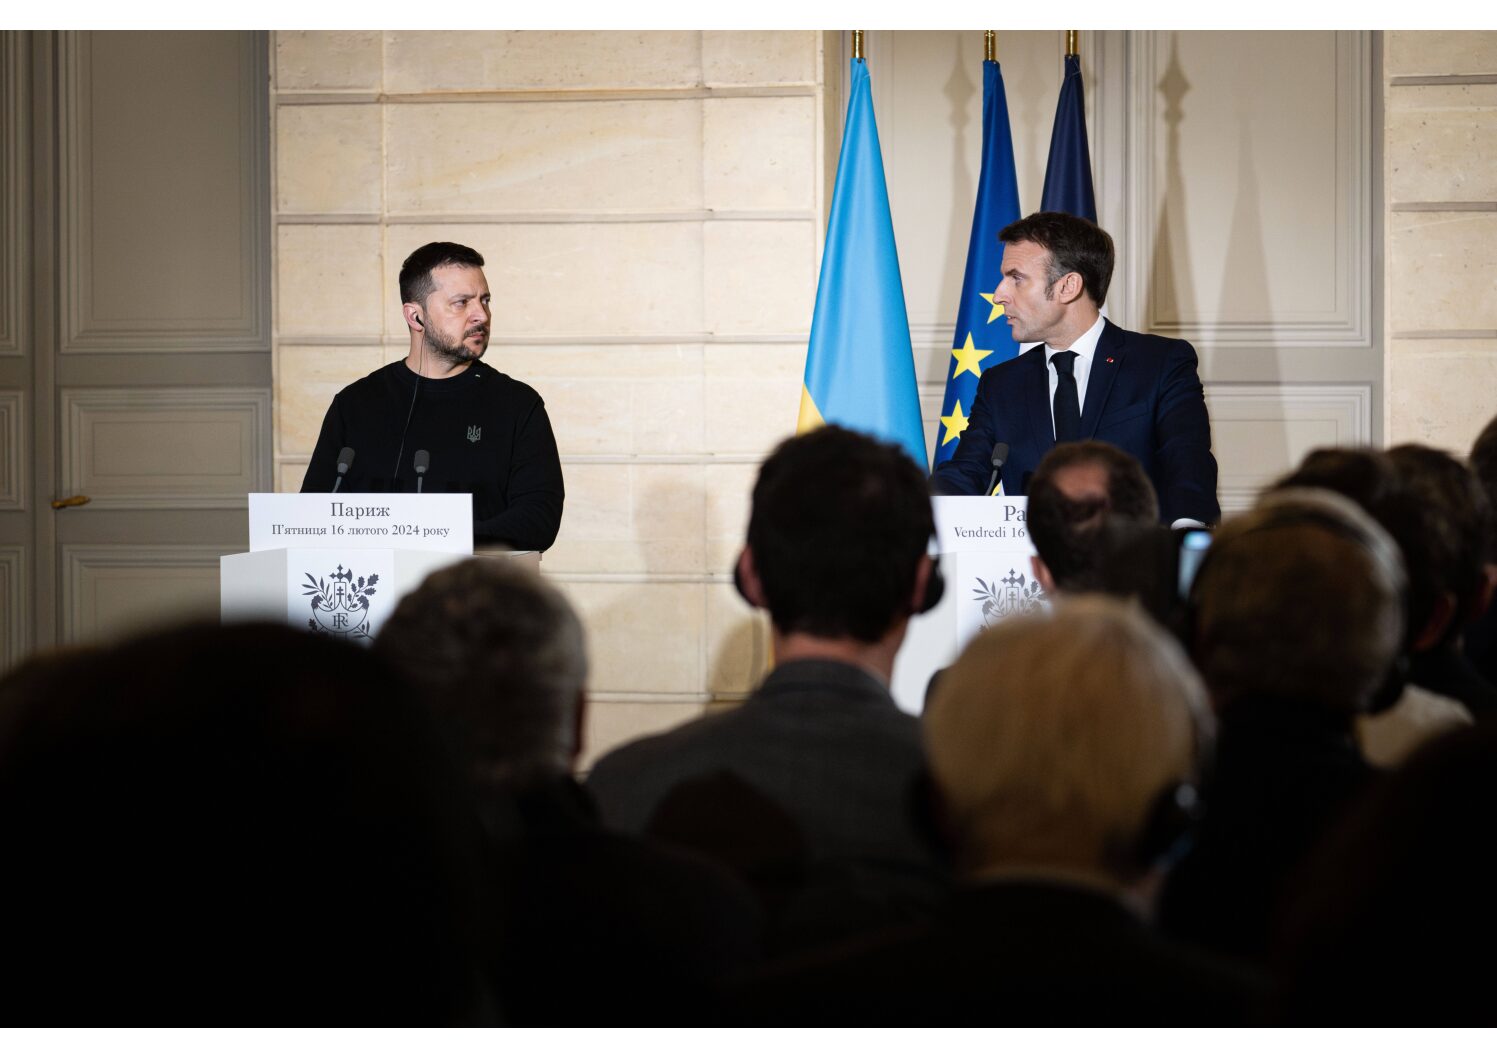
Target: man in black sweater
[485, 433]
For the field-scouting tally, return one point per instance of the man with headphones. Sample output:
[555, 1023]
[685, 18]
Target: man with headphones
[442, 421]
[838, 554]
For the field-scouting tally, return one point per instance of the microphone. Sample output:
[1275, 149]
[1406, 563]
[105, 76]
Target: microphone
[345, 460]
[423, 461]
[1000, 456]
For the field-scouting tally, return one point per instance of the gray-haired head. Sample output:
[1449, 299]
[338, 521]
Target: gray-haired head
[500, 656]
[1299, 599]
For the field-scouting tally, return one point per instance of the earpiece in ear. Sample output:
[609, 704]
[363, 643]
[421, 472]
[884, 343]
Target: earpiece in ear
[417, 317]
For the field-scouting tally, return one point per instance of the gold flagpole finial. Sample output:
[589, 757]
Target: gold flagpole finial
[857, 44]
[1071, 36]
[990, 46]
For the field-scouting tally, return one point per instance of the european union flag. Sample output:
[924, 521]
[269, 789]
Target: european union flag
[982, 338]
[860, 370]
[1068, 172]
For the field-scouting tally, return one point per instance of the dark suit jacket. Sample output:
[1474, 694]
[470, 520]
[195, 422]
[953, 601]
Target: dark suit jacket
[609, 929]
[1010, 952]
[1144, 395]
[807, 790]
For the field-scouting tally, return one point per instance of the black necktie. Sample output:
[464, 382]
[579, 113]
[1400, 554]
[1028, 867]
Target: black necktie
[1067, 407]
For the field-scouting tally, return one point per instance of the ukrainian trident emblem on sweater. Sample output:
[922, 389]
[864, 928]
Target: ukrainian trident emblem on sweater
[343, 609]
[1007, 597]
[474, 433]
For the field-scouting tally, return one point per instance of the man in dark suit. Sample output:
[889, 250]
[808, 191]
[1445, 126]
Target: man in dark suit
[1089, 379]
[808, 787]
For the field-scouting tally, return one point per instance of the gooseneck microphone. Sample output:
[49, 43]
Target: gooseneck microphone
[345, 460]
[1000, 456]
[423, 461]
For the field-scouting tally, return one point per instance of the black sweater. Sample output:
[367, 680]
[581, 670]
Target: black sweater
[487, 434]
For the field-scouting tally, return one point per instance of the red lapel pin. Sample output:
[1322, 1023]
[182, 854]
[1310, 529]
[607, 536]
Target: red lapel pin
[1109, 359]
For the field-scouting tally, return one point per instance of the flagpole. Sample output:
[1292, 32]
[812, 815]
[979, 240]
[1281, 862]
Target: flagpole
[857, 44]
[990, 46]
[1071, 36]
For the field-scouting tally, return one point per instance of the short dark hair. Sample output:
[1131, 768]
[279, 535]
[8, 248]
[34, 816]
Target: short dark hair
[1457, 525]
[500, 657]
[1067, 530]
[415, 273]
[1075, 245]
[1369, 479]
[1484, 465]
[839, 524]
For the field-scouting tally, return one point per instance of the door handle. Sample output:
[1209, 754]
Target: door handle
[71, 501]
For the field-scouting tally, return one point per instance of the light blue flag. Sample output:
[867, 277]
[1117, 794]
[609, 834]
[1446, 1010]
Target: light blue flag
[983, 337]
[860, 370]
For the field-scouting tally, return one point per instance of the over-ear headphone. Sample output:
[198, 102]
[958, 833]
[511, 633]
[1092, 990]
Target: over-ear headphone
[935, 585]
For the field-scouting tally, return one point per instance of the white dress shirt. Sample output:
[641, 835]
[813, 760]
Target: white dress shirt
[1085, 349]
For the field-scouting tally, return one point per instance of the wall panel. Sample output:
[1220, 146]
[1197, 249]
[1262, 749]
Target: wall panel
[14, 444]
[126, 288]
[114, 590]
[1250, 212]
[14, 163]
[175, 447]
[15, 632]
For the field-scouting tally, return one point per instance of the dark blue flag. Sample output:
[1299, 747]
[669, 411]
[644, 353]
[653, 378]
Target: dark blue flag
[1068, 173]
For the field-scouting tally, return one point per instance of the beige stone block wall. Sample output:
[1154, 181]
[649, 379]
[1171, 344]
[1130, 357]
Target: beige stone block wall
[651, 206]
[1439, 141]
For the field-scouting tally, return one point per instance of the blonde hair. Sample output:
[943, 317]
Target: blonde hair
[1051, 737]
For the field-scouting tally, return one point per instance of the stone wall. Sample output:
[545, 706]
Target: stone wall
[649, 207]
[1440, 168]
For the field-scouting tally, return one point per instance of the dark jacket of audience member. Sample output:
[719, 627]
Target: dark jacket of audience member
[1060, 749]
[818, 768]
[600, 928]
[1298, 614]
[1395, 920]
[240, 825]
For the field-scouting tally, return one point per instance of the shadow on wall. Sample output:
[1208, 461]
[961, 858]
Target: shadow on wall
[1171, 299]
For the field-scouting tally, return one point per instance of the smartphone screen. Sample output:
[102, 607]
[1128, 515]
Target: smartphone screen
[1193, 547]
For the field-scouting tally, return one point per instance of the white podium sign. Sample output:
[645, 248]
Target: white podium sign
[433, 521]
[985, 551]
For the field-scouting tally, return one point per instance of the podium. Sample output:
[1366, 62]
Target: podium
[985, 550]
[337, 564]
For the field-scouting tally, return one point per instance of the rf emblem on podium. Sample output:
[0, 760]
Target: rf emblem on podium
[342, 609]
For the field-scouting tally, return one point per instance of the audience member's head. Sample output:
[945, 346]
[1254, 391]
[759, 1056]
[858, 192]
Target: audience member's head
[838, 537]
[1079, 487]
[1391, 909]
[1457, 529]
[500, 657]
[1299, 600]
[1371, 480]
[244, 823]
[1484, 466]
[1054, 738]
